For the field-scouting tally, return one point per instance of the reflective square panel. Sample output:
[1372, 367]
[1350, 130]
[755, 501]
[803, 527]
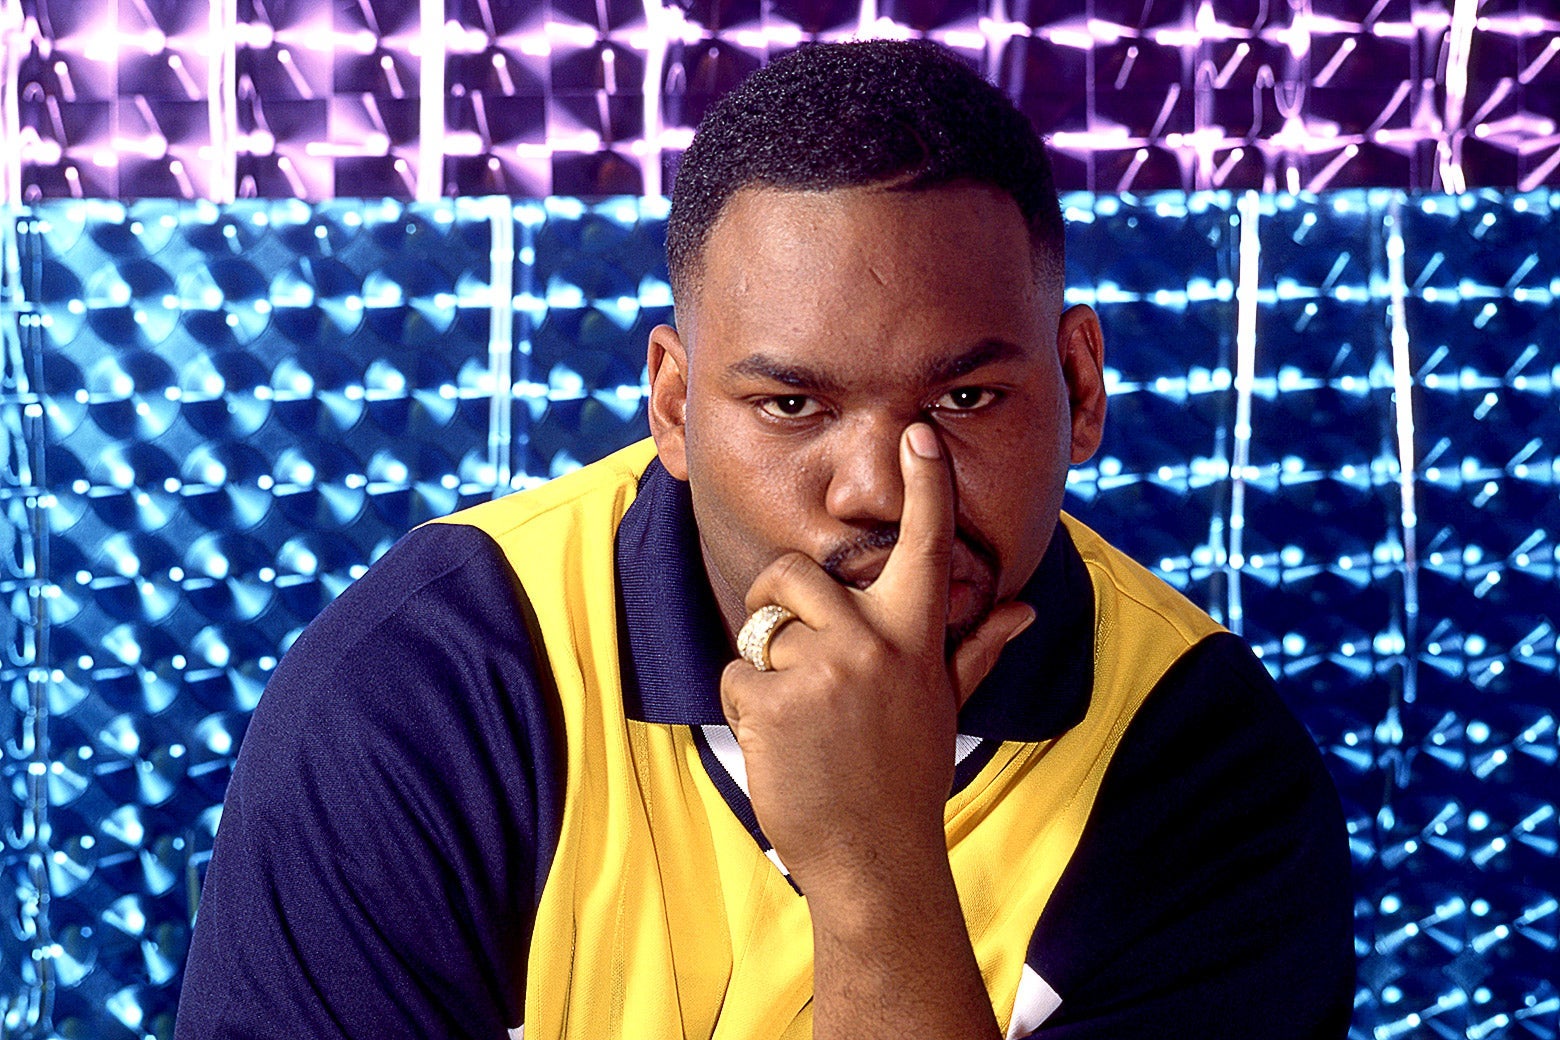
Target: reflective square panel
[310, 99]
[1333, 424]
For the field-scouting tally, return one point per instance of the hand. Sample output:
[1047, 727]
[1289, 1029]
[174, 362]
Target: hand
[849, 740]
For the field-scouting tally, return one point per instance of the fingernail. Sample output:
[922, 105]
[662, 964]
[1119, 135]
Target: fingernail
[1020, 629]
[923, 441]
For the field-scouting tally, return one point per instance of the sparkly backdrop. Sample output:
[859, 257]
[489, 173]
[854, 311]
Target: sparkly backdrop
[320, 98]
[1334, 423]
[1335, 420]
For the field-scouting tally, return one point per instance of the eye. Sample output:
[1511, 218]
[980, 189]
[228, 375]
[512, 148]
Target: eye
[966, 399]
[790, 406]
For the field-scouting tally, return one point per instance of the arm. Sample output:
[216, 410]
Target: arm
[1210, 896]
[389, 817]
[892, 957]
[849, 750]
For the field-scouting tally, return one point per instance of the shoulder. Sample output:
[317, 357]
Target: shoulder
[600, 491]
[1216, 860]
[1216, 713]
[442, 594]
[1142, 609]
[391, 814]
[436, 569]
[427, 656]
[1214, 753]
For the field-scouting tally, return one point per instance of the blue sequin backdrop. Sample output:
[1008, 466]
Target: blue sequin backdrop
[1335, 414]
[1334, 424]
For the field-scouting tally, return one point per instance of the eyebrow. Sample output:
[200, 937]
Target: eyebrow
[986, 352]
[810, 380]
[797, 377]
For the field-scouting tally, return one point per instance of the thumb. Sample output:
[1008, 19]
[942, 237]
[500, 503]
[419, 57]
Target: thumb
[977, 655]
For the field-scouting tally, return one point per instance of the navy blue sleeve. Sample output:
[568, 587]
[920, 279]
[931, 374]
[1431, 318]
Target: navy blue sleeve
[1210, 896]
[390, 817]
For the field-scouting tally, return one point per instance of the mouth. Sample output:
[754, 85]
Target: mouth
[859, 562]
[972, 577]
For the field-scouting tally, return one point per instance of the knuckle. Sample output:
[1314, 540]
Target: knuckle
[831, 674]
[732, 681]
[775, 583]
[789, 567]
[873, 657]
[975, 663]
[987, 661]
[927, 555]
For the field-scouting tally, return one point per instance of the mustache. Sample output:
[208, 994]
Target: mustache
[885, 536]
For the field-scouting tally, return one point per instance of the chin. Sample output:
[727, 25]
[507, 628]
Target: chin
[969, 606]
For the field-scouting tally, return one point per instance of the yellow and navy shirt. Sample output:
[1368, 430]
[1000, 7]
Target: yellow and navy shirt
[490, 793]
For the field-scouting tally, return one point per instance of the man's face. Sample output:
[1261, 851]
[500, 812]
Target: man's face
[824, 323]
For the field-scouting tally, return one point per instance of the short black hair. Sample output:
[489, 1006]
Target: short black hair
[844, 115]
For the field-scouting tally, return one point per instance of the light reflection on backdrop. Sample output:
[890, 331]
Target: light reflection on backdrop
[313, 100]
[1335, 419]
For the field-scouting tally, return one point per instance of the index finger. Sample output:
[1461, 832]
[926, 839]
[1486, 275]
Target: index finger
[914, 581]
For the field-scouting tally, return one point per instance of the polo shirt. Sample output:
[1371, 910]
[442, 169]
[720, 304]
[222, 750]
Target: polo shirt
[396, 809]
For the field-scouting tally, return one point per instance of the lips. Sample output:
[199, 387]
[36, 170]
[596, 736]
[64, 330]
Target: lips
[860, 572]
[859, 567]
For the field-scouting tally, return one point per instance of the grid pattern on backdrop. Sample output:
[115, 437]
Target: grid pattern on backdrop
[313, 99]
[1335, 423]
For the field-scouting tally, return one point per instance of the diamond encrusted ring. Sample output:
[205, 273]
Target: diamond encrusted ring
[758, 630]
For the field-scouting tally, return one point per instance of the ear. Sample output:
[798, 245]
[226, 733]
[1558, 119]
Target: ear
[1082, 347]
[667, 363]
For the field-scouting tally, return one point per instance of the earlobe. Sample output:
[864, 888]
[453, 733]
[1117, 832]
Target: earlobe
[666, 362]
[1082, 346]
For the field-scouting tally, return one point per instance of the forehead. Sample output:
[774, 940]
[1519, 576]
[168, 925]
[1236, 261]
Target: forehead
[870, 273]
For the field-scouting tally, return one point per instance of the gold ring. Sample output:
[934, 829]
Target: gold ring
[757, 631]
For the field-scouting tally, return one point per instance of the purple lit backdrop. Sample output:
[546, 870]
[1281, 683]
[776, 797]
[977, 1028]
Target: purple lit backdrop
[1334, 418]
[310, 99]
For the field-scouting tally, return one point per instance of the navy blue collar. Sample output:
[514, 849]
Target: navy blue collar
[676, 644]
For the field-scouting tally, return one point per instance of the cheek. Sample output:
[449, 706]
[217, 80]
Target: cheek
[751, 493]
[1009, 493]
[740, 468]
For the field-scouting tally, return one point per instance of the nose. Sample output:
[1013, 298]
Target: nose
[866, 486]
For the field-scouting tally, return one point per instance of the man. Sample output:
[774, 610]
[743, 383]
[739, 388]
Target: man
[974, 773]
